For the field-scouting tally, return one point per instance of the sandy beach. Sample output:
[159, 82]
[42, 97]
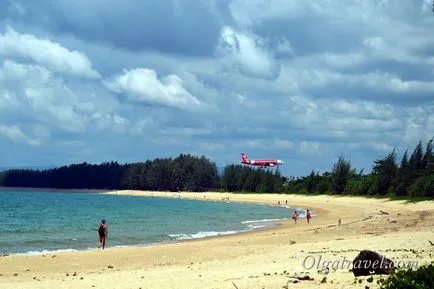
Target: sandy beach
[260, 259]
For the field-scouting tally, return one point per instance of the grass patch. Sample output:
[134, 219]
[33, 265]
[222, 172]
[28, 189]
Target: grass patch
[420, 278]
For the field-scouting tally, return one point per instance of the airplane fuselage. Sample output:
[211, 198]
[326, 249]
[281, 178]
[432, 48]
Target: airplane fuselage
[260, 163]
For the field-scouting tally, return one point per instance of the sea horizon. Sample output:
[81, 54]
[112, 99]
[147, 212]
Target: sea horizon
[49, 221]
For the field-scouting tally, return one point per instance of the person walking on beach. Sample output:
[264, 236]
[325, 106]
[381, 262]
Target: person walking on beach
[308, 216]
[295, 216]
[103, 233]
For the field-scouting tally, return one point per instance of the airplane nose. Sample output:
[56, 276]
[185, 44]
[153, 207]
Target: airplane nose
[279, 162]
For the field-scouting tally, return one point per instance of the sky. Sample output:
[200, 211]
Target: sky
[296, 80]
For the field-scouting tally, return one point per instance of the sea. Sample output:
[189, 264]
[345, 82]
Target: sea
[38, 222]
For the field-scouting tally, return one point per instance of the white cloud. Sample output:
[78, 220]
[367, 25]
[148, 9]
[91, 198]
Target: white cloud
[248, 51]
[115, 122]
[142, 84]
[266, 144]
[167, 141]
[38, 94]
[331, 60]
[254, 12]
[398, 49]
[310, 148]
[208, 146]
[342, 120]
[376, 146]
[309, 78]
[46, 52]
[14, 133]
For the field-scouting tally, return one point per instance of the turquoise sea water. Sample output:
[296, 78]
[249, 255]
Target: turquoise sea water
[36, 222]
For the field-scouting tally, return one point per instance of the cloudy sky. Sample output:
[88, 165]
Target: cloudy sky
[302, 81]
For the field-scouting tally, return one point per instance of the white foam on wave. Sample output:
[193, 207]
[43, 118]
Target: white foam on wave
[199, 235]
[30, 253]
[250, 226]
[303, 212]
[261, 221]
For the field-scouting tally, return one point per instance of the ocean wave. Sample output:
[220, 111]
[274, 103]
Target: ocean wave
[199, 235]
[262, 221]
[303, 212]
[29, 253]
[253, 227]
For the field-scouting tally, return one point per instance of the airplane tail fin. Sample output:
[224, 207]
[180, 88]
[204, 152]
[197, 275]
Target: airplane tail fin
[244, 157]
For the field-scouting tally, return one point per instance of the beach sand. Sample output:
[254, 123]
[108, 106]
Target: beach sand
[259, 259]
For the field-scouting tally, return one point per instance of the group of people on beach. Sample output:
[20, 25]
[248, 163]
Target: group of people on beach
[103, 227]
[295, 216]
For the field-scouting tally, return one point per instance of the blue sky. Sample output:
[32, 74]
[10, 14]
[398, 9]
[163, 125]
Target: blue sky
[302, 81]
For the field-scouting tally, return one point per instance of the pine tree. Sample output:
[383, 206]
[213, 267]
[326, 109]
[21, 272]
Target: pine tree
[341, 173]
[428, 158]
[385, 171]
[402, 180]
[416, 163]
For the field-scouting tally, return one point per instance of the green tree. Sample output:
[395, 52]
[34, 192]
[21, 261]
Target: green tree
[428, 158]
[415, 163]
[403, 177]
[385, 171]
[341, 173]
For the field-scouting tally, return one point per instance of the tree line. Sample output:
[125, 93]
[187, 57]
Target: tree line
[183, 173]
[413, 175]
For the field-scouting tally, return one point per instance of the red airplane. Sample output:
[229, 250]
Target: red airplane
[260, 163]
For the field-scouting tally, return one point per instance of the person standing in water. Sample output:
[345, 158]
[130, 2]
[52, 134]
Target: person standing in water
[308, 216]
[103, 233]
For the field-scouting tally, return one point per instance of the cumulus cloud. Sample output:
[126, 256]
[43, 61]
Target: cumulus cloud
[189, 28]
[310, 148]
[45, 52]
[143, 84]
[206, 146]
[248, 51]
[33, 91]
[15, 134]
[266, 144]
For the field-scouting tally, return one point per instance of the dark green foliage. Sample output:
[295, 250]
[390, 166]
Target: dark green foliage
[428, 158]
[403, 176]
[341, 173]
[413, 177]
[385, 171]
[416, 161]
[76, 176]
[238, 178]
[420, 278]
[422, 186]
[186, 172]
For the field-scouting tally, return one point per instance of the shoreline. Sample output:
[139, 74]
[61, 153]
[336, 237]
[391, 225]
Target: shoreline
[257, 225]
[255, 259]
[273, 225]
